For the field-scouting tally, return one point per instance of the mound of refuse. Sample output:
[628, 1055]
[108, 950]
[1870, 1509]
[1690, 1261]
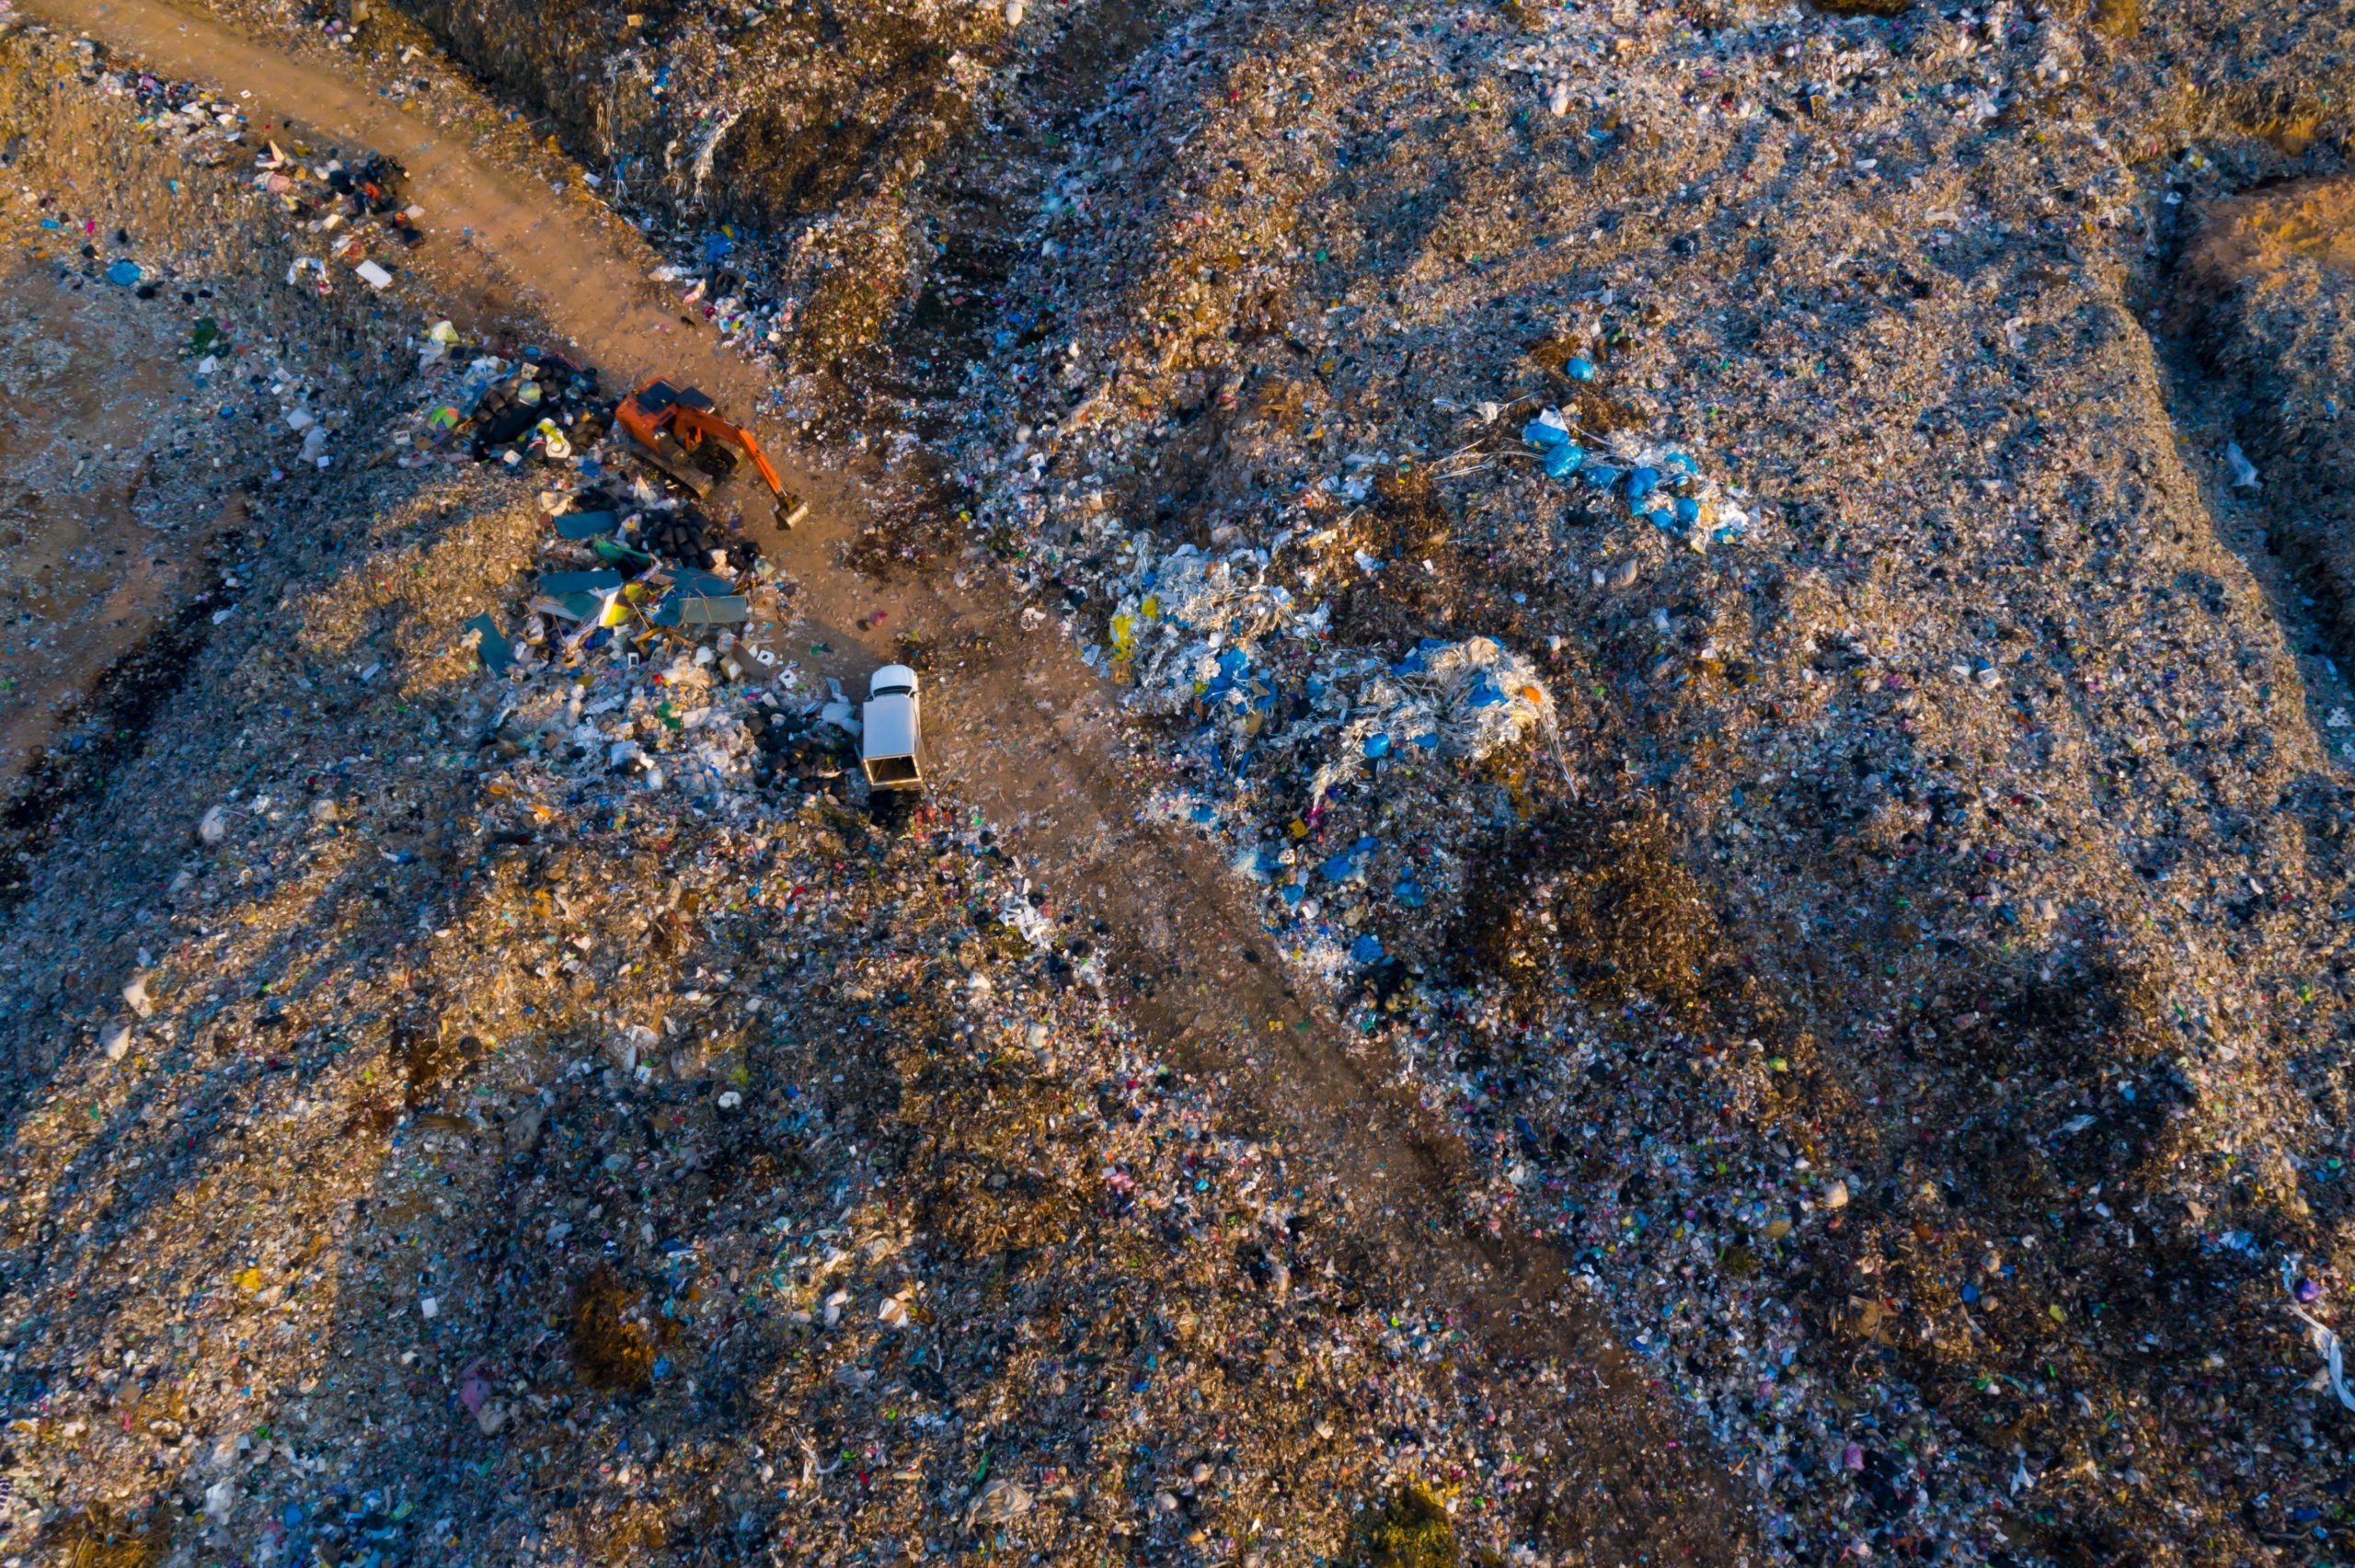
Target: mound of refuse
[1659, 538]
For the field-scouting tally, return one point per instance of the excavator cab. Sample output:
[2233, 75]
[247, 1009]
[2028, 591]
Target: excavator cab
[659, 395]
[682, 432]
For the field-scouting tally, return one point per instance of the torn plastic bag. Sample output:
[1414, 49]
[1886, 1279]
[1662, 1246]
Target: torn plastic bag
[2326, 1343]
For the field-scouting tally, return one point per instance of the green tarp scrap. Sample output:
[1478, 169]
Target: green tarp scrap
[621, 555]
[684, 610]
[701, 585]
[585, 524]
[559, 583]
[498, 653]
[579, 605]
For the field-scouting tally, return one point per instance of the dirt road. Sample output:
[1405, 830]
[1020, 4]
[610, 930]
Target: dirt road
[1027, 735]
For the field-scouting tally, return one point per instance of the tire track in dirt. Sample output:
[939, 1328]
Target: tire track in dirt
[1027, 733]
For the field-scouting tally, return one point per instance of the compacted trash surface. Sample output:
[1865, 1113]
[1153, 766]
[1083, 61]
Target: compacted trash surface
[1635, 843]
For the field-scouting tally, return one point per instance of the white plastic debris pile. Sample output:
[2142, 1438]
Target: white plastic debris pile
[1463, 700]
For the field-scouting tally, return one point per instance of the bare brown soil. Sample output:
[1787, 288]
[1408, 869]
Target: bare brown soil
[2263, 229]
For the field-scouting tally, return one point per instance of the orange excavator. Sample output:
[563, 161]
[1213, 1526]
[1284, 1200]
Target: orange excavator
[678, 430]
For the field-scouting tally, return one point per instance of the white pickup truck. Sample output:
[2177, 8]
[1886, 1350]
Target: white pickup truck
[891, 742]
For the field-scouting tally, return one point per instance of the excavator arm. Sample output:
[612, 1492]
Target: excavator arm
[669, 425]
[694, 426]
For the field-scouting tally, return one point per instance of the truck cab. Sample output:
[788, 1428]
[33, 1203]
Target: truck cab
[891, 742]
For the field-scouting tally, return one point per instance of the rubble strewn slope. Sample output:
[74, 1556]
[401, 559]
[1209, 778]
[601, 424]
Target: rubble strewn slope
[1661, 541]
[2267, 301]
[497, 1152]
[1901, 958]
[537, 1110]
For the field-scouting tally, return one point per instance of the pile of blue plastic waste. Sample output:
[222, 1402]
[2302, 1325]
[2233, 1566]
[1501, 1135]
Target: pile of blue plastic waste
[1661, 486]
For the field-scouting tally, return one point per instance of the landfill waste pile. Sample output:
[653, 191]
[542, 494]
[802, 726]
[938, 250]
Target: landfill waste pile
[806, 127]
[146, 385]
[2265, 305]
[822, 178]
[1750, 593]
[479, 1081]
[1886, 928]
[204, 125]
[349, 206]
[484, 1086]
